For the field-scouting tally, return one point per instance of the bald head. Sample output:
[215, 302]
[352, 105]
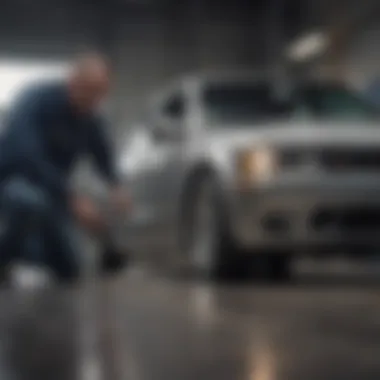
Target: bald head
[89, 81]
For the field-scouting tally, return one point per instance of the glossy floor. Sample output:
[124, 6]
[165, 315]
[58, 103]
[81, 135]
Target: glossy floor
[153, 328]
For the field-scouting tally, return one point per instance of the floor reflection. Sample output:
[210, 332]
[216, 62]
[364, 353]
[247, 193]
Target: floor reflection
[39, 335]
[153, 328]
[202, 303]
[261, 362]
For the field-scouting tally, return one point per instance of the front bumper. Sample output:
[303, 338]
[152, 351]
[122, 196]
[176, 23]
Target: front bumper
[308, 213]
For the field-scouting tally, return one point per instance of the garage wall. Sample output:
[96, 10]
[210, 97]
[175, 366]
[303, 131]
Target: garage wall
[44, 29]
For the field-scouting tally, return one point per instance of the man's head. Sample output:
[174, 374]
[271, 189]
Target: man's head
[89, 82]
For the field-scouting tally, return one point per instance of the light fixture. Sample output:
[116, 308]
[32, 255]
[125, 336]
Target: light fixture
[308, 47]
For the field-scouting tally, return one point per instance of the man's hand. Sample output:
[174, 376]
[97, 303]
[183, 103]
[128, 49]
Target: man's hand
[120, 200]
[87, 213]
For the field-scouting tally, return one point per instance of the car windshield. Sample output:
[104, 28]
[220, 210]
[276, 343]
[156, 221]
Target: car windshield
[246, 103]
[335, 102]
[241, 103]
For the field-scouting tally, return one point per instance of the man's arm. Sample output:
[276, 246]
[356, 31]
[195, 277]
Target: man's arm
[103, 156]
[25, 137]
[102, 153]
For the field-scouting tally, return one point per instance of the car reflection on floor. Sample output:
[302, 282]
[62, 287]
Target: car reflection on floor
[153, 327]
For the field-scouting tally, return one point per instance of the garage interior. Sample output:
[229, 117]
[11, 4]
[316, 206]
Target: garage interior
[141, 326]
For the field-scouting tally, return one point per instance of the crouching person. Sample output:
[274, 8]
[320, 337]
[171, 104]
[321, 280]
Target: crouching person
[50, 127]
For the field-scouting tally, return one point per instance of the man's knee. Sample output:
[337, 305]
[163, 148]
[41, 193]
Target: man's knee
[22, 197]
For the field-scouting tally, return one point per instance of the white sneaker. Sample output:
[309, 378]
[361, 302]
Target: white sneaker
[30, 277]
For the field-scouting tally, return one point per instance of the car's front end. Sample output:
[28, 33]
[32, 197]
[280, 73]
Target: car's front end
[308, 195]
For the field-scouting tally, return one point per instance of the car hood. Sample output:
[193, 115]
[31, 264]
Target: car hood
[295, 134]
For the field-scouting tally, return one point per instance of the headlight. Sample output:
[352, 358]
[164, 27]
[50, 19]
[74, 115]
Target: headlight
[257, 165]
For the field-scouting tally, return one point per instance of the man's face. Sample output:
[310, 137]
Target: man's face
[88, 91]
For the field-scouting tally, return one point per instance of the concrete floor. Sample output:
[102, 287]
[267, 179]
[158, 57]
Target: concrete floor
[151, 328]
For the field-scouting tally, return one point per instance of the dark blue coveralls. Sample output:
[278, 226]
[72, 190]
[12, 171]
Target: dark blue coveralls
[43, 139]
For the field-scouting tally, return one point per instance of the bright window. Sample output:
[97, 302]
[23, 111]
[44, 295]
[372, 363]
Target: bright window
[16, 74]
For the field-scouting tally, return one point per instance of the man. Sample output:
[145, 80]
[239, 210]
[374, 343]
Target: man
[49, 128]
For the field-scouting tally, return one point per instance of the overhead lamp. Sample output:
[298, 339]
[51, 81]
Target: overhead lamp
[308, 47]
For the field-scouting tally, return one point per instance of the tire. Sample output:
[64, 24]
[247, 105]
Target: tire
[204, 236]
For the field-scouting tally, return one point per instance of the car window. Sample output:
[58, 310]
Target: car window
[335, 102]
[248, 103]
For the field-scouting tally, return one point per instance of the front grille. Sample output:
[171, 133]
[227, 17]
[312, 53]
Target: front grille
[349, 159]
[334, 159]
